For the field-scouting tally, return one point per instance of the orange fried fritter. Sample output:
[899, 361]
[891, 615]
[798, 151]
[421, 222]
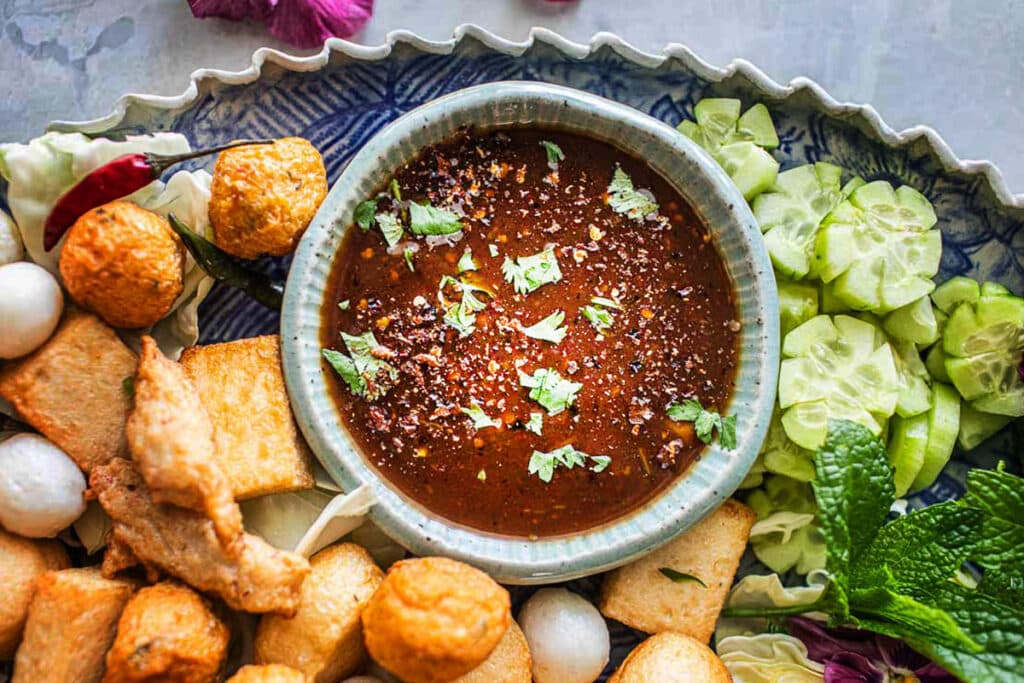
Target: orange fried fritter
[269, 673]
[22, 561]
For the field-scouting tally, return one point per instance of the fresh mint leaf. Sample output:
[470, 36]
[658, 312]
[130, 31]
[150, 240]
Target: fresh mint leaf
[480, 419]
[554, 152]
[625, 199]
[528, 273]
[544, 464]
[599, 318]
[549, 329]
[425, 219]
[536, 423]
[1000, 496]
[364, 214]
[466, 262]
[550, 390]
[705, 422]
[680, 577]
[390, 227]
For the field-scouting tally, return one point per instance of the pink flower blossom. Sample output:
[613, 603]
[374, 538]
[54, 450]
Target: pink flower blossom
[302, 23]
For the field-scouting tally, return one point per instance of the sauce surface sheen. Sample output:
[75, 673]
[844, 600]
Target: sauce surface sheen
[674, 338]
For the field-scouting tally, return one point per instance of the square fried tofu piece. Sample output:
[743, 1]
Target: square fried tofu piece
[72, 389]
[640, 596]
[71, 624]
[258, 444]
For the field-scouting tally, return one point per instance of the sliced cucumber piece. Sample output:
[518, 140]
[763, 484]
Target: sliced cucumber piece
[790, 213]
[879, 247]
[935, 361]
[907, 444]
[835, 368]
[780, 455]
[976, 426]
[994, 289]
[830, 303]
[984, 343]
[753, 169]
[915, 395]
[914, 322]
[717, 118]
[756, 125]
[943, 426]
[852, 185]
[798, 303]
[954, 292]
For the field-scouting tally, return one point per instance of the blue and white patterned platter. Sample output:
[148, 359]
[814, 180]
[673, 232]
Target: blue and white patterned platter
[340, 97]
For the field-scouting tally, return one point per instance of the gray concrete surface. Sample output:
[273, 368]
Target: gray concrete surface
[956, 65]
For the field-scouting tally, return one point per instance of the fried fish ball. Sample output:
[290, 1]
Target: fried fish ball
[124, 263]
[671, 658]
[167, 632]
[264, 196]
[268, 673]
[21, 562]
[434, 619]
[568, 639]
[509, 662]
[325, 638]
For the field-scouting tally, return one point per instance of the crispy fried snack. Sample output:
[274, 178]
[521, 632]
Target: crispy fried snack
[259, 447]
[325, 638]
[124, 263]
[671, 658]
[264, 196]
[72, 389]
[170, 436]
[250, 575]
[21, 562]
[509, 662]
[268, 673]
[167, 633]
[71, 625]
[640, 596]
[435, 619]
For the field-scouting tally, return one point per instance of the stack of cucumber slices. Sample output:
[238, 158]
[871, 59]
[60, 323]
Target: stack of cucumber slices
[867, 334]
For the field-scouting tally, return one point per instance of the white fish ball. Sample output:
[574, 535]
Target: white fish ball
[30, 308]
[10, 240]
[568, 637]
[42, 491]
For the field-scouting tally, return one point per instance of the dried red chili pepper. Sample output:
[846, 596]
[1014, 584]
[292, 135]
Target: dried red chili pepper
[113, 180]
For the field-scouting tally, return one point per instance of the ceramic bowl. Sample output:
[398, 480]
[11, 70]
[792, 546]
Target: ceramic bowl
[697, 177]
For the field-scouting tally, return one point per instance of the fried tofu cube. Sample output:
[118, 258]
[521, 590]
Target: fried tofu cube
[259, 447]
[640, 596]
[71, 624]
[509, 661]
[671, 658]
[270, 673]
[22, 561]
[72, 389]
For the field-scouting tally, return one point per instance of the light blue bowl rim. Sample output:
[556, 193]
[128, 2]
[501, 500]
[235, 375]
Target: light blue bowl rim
[687, 500]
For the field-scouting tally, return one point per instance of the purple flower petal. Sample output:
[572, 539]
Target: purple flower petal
[308, 23]
[232, 9]
[823, 643]
[848, 667]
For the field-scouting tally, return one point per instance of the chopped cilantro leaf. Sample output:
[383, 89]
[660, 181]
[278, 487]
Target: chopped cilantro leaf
[481, 475]
[364, 214]
[601, 462]
[681, 577]
[550, 390]
[705, 422]
[408, 258]
[549, 329]
[480, 419]
[395, 192]
[366, 374]
[390, 227]
[528, 273]
[536, 423]
[492, 250]
[466, 262]
[554, 152]
[606, 303]
[461, 315]
[625, 199]
[544, 464]
[425, 219]
[600, 318]
[344, 305]
[128, 386]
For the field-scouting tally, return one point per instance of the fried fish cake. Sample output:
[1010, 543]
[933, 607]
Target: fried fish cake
[22, 561]
[267, 673]
[324, 639]
[671, 658]
[434, 619]
[124, 263]
[509, 662]
[167, 632]
[263, 196]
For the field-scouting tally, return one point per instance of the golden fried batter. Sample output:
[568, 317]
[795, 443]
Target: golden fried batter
[671, 658]
[325, 638]
[124, 263]
[509, 662]
[170, 437]
[167, 633]
[71, 625]
[264, 196]
[21, 562]
[434, 619]
[254, 577]
[269, 673]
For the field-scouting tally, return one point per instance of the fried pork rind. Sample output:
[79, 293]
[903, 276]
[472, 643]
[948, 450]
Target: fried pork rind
[640, 596]
[22, 561]
[170, 437]
[249, 575]
[435, 619]
[509, 662]
[324, 639]
[72, 389]
[269, 673]
[167, 633]
[671, 658]
[71, 624]
[264, 196]
[259, 447]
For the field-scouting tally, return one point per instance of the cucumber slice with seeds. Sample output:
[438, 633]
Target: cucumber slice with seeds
[879, 247]
[914, 322]
[830, 303]
[977, 427]
[907, 444]
[798, 303]
[954, 292]
[915, 394]
[717, 118]
[757, 126]
[790, 213]
[779, 455]
[935, 361]
[943, 426]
